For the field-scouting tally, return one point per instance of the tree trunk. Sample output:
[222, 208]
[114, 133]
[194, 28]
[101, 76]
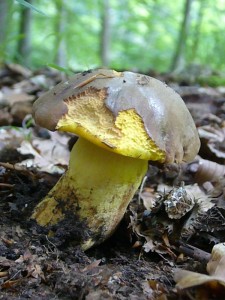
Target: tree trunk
[24, 44]
[105, 34]
[60, 58]
[3, 20]
[178, 60]
[198, 26]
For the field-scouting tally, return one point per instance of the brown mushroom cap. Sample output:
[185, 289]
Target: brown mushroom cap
[166, 119]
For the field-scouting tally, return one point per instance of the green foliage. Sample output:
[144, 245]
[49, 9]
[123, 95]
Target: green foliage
[61, 69]
[144, 33]
[212, 80]
[28, 5]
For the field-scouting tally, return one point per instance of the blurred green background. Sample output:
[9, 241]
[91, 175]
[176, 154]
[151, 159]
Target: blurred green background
[139, 35]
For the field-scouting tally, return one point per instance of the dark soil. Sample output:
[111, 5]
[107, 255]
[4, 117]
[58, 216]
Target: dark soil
[36, 268]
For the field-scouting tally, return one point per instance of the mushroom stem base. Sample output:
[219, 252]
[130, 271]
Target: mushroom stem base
[95, 190]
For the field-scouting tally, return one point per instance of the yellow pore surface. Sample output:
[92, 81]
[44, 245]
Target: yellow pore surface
[125, 134]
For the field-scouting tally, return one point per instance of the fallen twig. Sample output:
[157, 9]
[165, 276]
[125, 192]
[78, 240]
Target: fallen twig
[20, 169]
[195, 253]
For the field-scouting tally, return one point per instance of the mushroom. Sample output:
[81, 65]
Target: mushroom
[123, 120]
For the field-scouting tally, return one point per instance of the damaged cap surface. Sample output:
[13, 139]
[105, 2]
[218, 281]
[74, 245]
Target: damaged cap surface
[127, 113]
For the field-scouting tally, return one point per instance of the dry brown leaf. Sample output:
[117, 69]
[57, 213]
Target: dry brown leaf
[186, 279]
[48, 155]
[5, 117]
[12, 137]
[214, 137]
[25, 257]
[4, 262]
[99, 294]
[203, 200]
[4, 274]
[35, 271]
[14, 98]
[92, 265]
[215, 268]
[208, 171]
[149, 245]
[16, 68]
[216, 264]
[153, 289]
[137, 244]
[10, 283]
[148, 197]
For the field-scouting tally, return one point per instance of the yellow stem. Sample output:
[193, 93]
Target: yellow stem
[97, 189]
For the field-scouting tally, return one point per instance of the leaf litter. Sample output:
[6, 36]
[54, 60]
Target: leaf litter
[173, 225]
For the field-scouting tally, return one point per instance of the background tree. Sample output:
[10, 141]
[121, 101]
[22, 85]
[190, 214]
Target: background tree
[60, 22]
[24, 42]
[178, 61]
[126, 34]
[197, 28]
[105, 34]
[5, 27]
[4, 7]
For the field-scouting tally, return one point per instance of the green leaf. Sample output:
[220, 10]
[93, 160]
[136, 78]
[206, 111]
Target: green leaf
[61, 69]
[28, 5]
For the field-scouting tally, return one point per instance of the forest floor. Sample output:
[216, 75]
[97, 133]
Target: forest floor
[148, 255]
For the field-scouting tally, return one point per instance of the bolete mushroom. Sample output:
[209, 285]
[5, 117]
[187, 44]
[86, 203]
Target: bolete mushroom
[123, 120]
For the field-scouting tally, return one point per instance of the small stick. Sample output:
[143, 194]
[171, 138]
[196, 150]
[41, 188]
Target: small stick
[18, 169]
[195, 253]
[6, 185]
[12, 167]
[92, 78]
[4, 274]
[141, 189]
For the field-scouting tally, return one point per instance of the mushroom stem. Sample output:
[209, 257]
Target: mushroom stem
[96, 189]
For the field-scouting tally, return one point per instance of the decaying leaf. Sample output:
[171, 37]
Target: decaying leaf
[13, 97]
[11, 137]
[148, 197]
[216, 264]
[204, 202]
[48, 155]
[19, 69]
[47, 272]
[201, 198]
[213, 137]
[215, 268]
[208, 170]
[153, 289]
[177, 213]
[92, 265]
[149, 245]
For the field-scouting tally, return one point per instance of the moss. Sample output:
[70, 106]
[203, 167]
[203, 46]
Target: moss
[212, 80]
